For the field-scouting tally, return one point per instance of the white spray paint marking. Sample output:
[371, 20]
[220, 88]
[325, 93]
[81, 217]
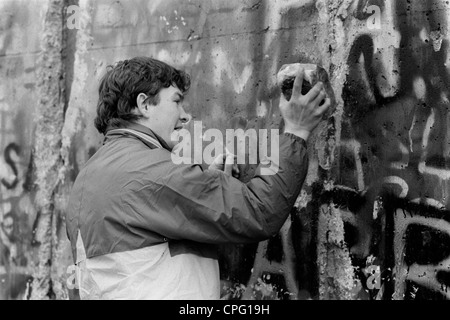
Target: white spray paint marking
[6, 171]
[423, 35]
[224, 65]
[430, 202]
[388, 35]
[426, 132]
[377, 207]
[424, 274]
[440, 173]
[420, 88]
[198, 58]
[414, 121]
[386, 43]
[173, 57]
[399, 181]
[443, 174]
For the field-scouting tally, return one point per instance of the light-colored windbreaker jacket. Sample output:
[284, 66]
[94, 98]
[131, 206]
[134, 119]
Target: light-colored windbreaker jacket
[142, 227]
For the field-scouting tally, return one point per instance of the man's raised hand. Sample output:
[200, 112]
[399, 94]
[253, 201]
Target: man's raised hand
[302, 113]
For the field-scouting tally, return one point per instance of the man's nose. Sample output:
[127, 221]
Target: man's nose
[185, 118]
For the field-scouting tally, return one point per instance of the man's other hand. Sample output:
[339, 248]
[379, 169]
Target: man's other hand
[226, 163]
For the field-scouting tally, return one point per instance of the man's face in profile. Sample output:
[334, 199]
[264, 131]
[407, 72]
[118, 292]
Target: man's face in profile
[168, 115]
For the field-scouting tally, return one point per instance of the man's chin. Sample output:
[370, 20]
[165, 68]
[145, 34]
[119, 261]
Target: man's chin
[174, 146]
[174, 139]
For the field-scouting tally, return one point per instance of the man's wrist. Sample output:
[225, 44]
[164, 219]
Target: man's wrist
[304, 134]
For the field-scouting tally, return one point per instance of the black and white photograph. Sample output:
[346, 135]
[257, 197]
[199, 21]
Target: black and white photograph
[247, 152]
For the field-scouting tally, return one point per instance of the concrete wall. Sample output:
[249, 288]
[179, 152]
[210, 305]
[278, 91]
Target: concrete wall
[373, 220]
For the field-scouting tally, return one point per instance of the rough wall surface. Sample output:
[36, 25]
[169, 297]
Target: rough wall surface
[373, 220]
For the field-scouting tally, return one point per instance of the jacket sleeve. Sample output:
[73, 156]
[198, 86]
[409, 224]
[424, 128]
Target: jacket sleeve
[207, 206]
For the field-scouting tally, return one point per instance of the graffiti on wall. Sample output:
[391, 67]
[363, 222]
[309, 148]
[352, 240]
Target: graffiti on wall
[390, 181]
[391, 187]
[16, 209]
[395, 150]
[16, 203]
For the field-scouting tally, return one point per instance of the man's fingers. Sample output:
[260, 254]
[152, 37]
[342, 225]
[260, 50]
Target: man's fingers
[314, 92]
[230, 158]
[220, 159]
[218, 162]
[229, 163]
[323, 108]
[226, 162]
[298, 83]
[235, 172]
[322, 95]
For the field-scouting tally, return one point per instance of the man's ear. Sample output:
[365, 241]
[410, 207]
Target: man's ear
[142, 106]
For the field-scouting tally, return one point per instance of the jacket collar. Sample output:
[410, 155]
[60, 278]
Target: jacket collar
[110, 134]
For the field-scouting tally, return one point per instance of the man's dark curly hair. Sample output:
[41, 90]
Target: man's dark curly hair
[122, 84]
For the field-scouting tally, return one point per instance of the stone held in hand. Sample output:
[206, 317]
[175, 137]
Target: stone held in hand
[313, 74]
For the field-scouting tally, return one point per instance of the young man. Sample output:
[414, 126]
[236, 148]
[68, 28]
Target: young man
[142, 227]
